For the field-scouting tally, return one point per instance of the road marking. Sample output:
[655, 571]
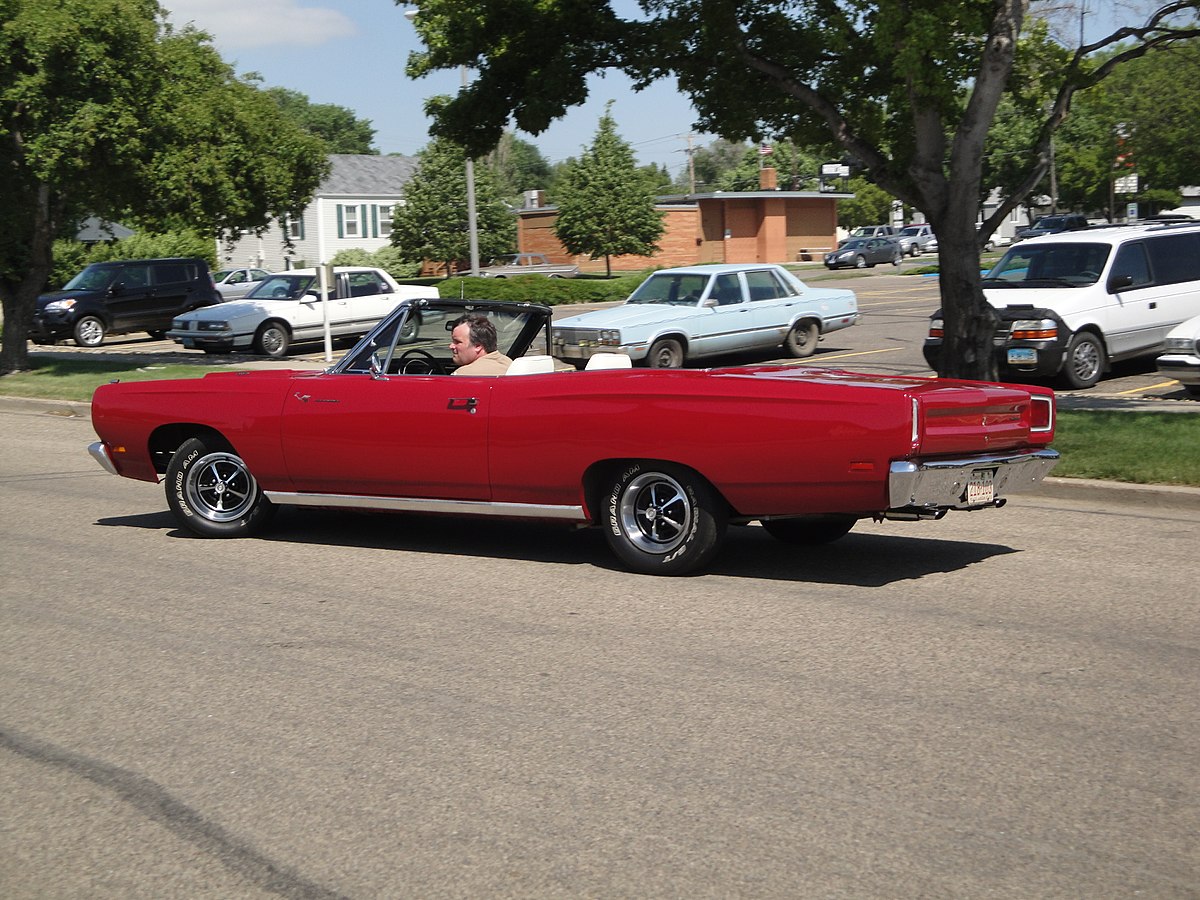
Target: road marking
[1152, 387]
[859, 353]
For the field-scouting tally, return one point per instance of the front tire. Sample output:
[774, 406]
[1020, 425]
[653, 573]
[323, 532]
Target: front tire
[665, 354]
[89, 331]
[1085, 361]
[662, 519]
[802, 340]
[809, 531]
[211, 492]
[273, 340]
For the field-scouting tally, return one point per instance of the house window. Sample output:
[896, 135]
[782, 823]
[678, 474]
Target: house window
[385, 221]
[295, 228]
[350, 221]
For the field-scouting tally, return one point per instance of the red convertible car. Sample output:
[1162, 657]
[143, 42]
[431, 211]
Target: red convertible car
[661, 460]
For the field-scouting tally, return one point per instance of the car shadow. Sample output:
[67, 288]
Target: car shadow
[857, 560]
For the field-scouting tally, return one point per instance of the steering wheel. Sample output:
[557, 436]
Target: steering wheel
[422, 363]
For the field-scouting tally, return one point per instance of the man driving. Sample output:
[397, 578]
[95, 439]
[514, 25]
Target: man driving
[473, 347]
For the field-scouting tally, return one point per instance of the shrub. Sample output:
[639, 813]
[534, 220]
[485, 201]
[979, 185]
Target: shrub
[540, 289]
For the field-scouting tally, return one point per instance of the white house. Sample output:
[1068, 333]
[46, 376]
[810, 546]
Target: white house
[352, 209]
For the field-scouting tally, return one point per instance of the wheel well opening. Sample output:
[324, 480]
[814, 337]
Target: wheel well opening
[166, 439]
[599, 476]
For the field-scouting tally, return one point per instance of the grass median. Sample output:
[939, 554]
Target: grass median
[1136, 447]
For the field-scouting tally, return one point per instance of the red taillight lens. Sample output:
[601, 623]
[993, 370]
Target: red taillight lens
[1041, 414]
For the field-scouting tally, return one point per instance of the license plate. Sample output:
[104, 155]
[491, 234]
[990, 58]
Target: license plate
[1020, 356]
[981, 487]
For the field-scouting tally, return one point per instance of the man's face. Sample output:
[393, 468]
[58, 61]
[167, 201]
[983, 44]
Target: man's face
[461, 348]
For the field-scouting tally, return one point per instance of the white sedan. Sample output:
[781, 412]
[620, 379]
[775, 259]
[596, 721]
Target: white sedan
[677, 315]
[286, 308]
[235, 283]
[1181, 356]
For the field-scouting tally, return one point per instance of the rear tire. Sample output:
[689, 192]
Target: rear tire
[89, 331]
[662, 519]
[665, 354]
[802, 340]
[809, 531]
[211, 492]
[860, 262]
[273, 340]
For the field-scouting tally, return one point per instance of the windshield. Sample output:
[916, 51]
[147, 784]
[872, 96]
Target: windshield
[680, 289]
[1047, 223]
[282, 287]
[93, 278]
[1049, 265]
[911, 229]
[854, 245]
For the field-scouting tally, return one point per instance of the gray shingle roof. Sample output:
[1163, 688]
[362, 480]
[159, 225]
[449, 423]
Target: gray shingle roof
[355, 175]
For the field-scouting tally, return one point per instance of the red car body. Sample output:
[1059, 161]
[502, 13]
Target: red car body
[781, 444]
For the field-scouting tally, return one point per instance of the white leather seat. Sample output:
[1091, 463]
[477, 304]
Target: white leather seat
[531, 365]
[609, 361]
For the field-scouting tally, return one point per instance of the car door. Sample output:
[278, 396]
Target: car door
[172, 292]
[419, 436]
[772, 304]
[369, 299]
[130, 302]
[1140, 314]
[725, 326]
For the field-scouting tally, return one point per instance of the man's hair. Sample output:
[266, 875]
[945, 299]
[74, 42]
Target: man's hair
[482, 331]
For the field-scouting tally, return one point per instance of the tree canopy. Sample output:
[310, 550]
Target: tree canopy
[339, 127]
[432, 223]
[909, 90]
[605, 203]
[106, 110]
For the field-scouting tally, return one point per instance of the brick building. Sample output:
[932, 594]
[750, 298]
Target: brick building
[744, 227]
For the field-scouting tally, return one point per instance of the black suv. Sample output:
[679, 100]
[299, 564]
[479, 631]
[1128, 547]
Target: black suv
[1051, 225]
[119, 297]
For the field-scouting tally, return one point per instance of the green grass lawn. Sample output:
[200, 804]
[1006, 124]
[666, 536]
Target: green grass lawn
[1138, 447]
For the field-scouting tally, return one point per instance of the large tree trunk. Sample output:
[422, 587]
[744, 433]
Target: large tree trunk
[968, 320]
[19, 298]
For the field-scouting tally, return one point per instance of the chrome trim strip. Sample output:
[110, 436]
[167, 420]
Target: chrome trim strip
[99, 453]
[430, 505]
[942, 483]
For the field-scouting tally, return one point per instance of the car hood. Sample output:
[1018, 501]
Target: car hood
[629, 314]
[236, 309]
[51, 296]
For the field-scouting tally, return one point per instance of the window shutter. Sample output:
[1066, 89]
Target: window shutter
[301, 229]
[374, 221]
[362, 218]
[341, 222]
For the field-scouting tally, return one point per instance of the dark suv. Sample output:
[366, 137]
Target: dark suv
[1051, 225]
[119, 297]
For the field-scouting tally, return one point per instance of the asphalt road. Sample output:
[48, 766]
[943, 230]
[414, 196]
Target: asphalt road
[895, 308]
[1000, 704]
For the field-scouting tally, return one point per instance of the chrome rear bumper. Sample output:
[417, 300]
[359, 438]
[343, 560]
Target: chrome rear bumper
[942, 484]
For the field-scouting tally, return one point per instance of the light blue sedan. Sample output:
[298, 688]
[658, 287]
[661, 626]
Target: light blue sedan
[677, 315]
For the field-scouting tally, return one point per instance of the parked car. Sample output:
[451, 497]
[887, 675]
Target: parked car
[527, 264]
[864, 253]
[235, 283]
[1072, 304]
[120, 297]
[661, 461]
[1044, 225]
[1181, 356]
[677, 315]
[915, 239]
[874, 231]
[286, 308]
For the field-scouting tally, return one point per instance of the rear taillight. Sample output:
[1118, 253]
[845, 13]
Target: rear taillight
[1041, 414]
[936, 329]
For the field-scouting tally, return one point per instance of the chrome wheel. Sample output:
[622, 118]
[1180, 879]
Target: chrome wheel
[220, 488]
[1085, 361]
[655, 513]
[89, 332]
[273, 340]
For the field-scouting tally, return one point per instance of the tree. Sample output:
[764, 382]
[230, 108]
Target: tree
[340, 129]
[432, 222]
[910, 90]
[871, 205]
[605, 203]
[795, 168]
[709, 165]
[105, 110]
[517, 166]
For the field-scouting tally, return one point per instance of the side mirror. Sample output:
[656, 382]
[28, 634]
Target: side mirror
[1119, 283]
[710, 303]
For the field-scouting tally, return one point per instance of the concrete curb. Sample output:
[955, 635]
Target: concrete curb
[1159, 496]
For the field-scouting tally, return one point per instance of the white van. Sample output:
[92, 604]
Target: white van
[1073, 303]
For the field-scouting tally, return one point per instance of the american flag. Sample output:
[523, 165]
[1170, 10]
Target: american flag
[765, 149]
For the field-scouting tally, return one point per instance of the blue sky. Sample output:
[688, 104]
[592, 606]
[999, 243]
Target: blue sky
[352, 53]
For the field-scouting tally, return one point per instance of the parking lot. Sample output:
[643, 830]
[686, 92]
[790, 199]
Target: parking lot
[895, 311]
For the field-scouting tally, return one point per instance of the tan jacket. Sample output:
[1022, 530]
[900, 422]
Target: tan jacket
[494, 363]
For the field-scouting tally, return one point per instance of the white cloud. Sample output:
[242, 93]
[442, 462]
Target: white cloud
[249, 24]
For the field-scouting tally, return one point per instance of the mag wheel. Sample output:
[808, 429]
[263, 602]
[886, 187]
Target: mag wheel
[802, 340]
[1085, 361]
[211, 492]
[89, 332]
[860, 262]
[665, 354]
[662, 519]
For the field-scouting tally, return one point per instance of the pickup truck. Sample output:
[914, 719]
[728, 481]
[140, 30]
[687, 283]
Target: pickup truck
[527, 264]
